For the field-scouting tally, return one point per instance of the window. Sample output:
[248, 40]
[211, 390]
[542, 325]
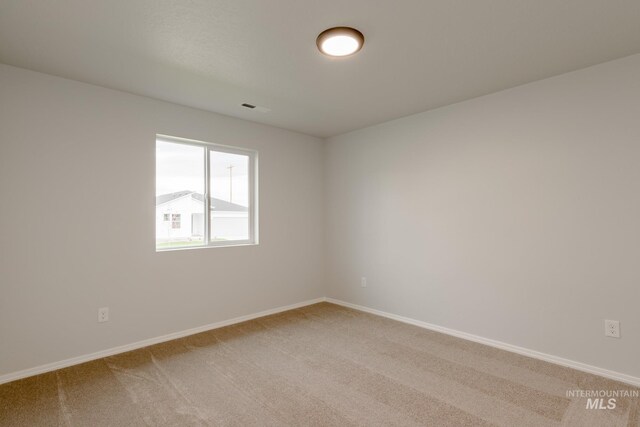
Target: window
[205, 194]
[175, 220]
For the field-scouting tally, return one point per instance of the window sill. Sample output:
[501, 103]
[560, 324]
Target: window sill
[226, 245]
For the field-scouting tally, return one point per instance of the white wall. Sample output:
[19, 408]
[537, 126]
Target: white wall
[65, 145]
[513, 216]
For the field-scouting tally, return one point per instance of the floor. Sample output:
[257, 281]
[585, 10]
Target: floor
[322, 365]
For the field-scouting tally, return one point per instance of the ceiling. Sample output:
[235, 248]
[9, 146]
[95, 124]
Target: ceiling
[216, 55]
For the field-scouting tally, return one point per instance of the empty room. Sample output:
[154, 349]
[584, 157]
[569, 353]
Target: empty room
[320, 213]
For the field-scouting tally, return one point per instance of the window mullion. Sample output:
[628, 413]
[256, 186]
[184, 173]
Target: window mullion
[252, 200]
[207, 197]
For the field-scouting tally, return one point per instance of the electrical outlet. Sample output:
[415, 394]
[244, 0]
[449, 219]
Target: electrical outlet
[363, 282]
[612, 328]
[103, 314]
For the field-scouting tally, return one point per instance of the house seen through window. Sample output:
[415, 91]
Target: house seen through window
[193, 178]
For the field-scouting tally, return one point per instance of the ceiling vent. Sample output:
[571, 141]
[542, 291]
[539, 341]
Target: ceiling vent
[256, 108]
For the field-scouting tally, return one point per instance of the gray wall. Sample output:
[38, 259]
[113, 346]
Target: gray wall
[513, 216]
[77, 198]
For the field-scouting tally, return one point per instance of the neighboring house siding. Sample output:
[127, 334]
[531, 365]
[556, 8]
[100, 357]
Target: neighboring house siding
[225, 223]
[230, 225]
[184, 206]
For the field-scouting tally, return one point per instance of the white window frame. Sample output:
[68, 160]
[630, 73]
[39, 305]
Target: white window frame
[208, 147]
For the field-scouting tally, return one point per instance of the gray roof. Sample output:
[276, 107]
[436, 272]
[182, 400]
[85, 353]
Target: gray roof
[216, 204]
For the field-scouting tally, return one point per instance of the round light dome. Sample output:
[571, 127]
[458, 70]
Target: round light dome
[340, 41]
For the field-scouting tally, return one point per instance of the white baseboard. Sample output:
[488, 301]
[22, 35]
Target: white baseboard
[145, 343]
[628, 379]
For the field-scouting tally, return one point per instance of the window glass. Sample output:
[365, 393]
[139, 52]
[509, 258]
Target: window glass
[195, 177]
[229, 186]
[180, 207]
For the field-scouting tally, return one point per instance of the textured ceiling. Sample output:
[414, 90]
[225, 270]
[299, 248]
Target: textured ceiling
[215, 55]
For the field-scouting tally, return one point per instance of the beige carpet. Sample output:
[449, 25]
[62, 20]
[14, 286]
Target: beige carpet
[321, 365]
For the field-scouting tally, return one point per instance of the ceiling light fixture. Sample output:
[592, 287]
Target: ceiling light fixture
[340, 41]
